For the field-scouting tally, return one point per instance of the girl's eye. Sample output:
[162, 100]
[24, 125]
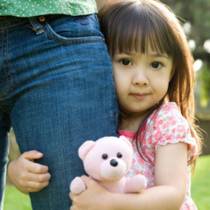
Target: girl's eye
[156, 65]
[125, 61]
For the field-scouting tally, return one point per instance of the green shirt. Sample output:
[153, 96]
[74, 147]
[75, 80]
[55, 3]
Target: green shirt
[28, 8]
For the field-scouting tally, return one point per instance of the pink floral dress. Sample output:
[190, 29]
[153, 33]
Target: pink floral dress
[164, 126]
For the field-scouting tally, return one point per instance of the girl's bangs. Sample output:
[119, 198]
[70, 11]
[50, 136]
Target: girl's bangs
[140, 32]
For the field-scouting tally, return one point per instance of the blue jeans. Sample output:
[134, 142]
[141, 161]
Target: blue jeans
[56, 91]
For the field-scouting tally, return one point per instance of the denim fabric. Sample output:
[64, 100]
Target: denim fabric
[56, 89]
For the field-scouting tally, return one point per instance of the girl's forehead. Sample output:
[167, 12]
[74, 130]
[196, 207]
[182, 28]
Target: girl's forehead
[149, 51]
[144, 42]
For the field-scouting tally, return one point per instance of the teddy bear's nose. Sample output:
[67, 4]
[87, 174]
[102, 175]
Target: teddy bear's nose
[113, 162]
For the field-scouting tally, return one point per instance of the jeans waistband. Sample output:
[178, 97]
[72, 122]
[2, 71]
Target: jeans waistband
[11, 21]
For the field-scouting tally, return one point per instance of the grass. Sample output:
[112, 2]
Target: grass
[14, 200]
[201, 183]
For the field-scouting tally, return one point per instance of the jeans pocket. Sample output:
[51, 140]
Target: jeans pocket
[68, 29]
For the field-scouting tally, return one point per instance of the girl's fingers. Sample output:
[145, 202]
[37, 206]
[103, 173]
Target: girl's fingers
[72, 196]
[36, 168]
[32, 155]
[35, 186]
[88, 181]
[28, 159]
[39, 178]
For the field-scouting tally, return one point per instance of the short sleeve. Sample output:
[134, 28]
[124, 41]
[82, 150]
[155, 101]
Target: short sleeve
[171, 127]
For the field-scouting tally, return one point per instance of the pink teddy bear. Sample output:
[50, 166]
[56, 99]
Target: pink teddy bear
[107, 161]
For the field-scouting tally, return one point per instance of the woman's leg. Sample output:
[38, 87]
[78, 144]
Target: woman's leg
[63, 94]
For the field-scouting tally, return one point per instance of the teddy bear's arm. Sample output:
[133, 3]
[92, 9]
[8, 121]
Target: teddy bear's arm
[135, 184]
[77, 185]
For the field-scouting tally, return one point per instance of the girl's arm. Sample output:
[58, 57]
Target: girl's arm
[168, 194]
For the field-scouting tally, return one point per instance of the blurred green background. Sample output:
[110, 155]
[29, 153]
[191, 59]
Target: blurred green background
[195, 18]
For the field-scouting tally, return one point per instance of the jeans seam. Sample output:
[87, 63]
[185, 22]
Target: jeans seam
[52, 35]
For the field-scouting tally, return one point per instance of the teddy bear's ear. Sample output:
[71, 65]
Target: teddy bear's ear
[85, 148]
[125, 140]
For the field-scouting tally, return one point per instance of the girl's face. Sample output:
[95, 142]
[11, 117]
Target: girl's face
[141, 80]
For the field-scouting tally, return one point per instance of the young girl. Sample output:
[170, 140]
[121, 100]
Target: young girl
[153, 71]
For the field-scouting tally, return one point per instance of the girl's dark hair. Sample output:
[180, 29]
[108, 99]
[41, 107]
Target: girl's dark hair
[136, 25]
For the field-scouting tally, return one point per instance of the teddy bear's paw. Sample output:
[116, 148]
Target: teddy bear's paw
[77, 185]
[141, 180]
[135, 184]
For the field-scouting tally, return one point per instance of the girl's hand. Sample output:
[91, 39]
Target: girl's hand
[94, 197]
[27, 175]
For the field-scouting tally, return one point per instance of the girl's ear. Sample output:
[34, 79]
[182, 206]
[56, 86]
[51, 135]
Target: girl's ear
[85, 148]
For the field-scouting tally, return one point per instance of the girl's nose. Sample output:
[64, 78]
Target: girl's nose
[140, 78]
